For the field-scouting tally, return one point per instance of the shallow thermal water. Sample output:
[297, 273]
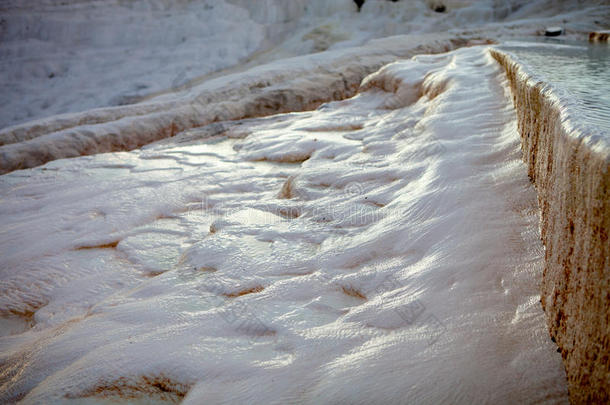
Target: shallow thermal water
[381, 249]
[580, 69]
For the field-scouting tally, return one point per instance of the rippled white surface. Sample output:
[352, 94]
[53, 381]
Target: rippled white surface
[382, 249]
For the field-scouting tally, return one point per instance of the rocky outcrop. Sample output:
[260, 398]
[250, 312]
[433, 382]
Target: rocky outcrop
[570, 166]
[599, 36]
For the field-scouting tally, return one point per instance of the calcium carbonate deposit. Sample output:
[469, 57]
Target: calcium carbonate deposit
[295, 202]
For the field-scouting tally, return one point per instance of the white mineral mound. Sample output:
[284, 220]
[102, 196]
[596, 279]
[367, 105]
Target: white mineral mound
[379, 249]
[278, 248]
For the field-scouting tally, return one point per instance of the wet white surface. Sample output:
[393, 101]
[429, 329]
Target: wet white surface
[382, 249]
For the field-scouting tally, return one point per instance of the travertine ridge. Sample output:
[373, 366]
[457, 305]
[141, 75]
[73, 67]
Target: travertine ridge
[569, 163]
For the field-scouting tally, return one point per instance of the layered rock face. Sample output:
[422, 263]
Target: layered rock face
[571, 170]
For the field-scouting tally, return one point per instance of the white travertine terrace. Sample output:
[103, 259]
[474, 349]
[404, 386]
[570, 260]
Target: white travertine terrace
[378, 249]
[569, 162]
[295, 84]
[349, 226]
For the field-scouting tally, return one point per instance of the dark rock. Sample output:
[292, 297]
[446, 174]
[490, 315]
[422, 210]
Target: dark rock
[599, 36]
[359, 3]
[553, 31]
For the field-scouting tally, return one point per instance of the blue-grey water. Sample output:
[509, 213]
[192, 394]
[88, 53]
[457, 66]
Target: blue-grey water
[581, 69]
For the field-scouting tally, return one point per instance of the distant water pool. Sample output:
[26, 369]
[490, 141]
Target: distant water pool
[580, 69]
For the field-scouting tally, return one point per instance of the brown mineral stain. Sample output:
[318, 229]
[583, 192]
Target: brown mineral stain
[287, 191]
[352, 292]
[338, 128]
[160, 387]
[110, 245]
[245, 292]
[289, 213]
[287, 158]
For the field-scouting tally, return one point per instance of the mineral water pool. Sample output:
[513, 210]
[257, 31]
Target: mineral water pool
[581, 69]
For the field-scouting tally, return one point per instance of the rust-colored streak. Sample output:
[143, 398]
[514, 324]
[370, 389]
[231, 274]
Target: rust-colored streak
[338, 128]
[287, 158]
[352, 292]
[110, 245]
[160, 387]
[287, 190]
[252, 290]
[289, 213]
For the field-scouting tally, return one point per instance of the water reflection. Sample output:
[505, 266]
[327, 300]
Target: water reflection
[579, 68]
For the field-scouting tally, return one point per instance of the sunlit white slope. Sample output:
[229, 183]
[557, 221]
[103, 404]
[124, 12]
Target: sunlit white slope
[382, 249]
[287, 85]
